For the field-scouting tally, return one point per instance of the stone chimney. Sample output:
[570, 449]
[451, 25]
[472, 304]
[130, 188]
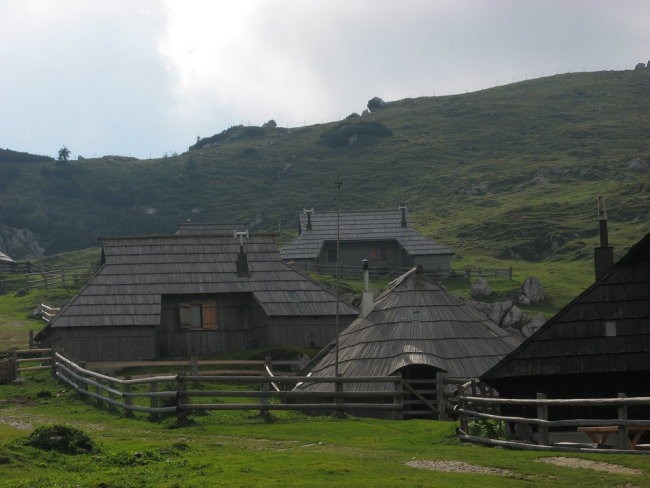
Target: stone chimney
[308, 212]
[367, 303]
[243, 271]
[403, 209]
[604, 254]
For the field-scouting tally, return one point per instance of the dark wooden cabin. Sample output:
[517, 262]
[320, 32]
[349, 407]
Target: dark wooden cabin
[596, 346]
[385, 238]
[192, 294]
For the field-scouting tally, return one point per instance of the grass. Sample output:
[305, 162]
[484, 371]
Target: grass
[240, 449]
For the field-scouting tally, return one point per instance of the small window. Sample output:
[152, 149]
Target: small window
[198, 315]
[610, 328]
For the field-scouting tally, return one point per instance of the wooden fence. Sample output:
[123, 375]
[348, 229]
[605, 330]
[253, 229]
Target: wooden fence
[465, 273]
[550, 433]
[15, 362]
[73, 276]
[260, 389]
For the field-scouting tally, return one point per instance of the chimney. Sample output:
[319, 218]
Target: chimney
[604, 254]
[243, 270]
[308, 212]
[366, 298]
[403, 209]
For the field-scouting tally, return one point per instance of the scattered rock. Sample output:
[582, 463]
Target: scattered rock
[375, 104]
[512, 317]
[533, 326]
[481, 288]
[640, 66]
[532, 289]
[271, 123]
[637, 164]
[365, 112]
[19, 243]
[352, 139]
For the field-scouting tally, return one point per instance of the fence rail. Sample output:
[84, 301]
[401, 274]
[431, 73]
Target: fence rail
[465, 273]
[628, 431]
[176, 390]
[74, 276]
[15, 362]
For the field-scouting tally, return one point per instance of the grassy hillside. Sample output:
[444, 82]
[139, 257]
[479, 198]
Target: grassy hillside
[505, 176]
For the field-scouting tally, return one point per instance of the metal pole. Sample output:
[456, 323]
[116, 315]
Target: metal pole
[338, 270]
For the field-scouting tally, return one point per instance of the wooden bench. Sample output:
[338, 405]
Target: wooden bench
[599, 435]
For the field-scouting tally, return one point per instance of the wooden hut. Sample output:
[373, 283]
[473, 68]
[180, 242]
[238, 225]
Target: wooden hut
[596, 346]
[385, 238]
[416, 329]
[195, 294]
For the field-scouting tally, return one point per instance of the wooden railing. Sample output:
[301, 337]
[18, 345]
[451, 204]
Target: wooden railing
[465, 273]
[183, 394]
[475, 408]
[239, 388]
[16, 362]
[74, 276]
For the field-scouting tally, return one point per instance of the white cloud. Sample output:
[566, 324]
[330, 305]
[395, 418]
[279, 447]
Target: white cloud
[147, 76]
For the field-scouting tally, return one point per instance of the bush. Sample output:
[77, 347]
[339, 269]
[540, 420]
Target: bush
[62, 438]
[364, 132]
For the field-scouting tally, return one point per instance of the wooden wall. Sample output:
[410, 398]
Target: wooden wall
[352, 253]
[241, 324]
[103, 343]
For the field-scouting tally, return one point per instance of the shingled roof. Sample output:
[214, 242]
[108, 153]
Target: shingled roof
[137, 271]
[369, 225]
[576, 342]
[416, 322]
[4, 258]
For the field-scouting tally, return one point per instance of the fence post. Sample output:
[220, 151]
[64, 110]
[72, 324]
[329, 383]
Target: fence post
[14, 355]
[462, 418]
[397, 399]
[542, 414]
[338, 391]
[128, 399]
[510, 273]
[31, 338]
[62, 277]
[181, 413]
[53, 361]
[441, 399]
[623, 442]
[194, 366]
[98, 389]
[153, 388]
[112, 396]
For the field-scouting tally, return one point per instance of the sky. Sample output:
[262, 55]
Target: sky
[145, 78]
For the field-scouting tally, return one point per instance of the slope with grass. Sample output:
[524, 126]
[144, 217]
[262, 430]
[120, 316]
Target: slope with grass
[508, 175]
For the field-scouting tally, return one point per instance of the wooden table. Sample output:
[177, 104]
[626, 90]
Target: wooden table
[599, 435]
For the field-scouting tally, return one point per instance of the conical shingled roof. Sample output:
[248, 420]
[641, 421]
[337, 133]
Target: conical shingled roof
[414, 322]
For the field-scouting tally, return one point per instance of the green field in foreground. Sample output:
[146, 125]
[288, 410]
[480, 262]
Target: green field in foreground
[240, 450]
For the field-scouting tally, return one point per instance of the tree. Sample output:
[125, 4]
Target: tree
[64, 154]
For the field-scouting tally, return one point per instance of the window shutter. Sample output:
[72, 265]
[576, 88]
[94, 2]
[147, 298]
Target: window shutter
[209, 312]
[185, 317]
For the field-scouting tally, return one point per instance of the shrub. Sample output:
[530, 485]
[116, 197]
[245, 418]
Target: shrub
[364, 131]
[62, 438]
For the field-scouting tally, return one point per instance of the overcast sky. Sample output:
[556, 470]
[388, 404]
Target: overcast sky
[146, 77]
